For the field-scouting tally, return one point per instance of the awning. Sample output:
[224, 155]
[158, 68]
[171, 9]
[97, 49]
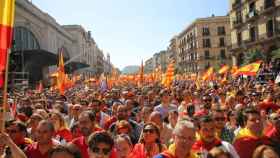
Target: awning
[73, 66]
[43, 57]
[87, 69]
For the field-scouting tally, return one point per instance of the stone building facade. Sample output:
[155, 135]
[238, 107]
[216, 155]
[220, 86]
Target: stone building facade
[204, 43]
[255, 26]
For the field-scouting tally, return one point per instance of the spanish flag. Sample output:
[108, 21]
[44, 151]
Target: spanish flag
[208, 74]
[250, 69]
[61, 75]
[224, 69]
[7, 12]
[234, 71]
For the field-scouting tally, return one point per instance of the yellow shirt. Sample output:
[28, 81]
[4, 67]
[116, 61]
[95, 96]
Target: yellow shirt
[172, 148]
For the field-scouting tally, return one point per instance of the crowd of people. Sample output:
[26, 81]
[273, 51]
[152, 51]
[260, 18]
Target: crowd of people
[235, 119]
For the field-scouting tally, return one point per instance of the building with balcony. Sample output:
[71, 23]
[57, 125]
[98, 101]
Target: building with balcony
[203, 44]
[254, 27]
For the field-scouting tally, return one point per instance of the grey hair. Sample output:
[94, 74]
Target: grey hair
[183, 124]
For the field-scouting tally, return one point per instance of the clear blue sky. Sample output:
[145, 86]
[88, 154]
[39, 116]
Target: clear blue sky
[132, 30]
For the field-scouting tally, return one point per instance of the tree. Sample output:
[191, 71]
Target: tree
[254, 56]
[275, 54]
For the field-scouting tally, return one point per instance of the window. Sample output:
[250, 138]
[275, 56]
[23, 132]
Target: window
[24, 39]
[207, 54]
[253, 34]
[206, 43]
[238, 17]
[239, 38]
[269, 28]
[252, 7]
[223, 54]
[269, 3]
[221, 30]
[222, 42]
[205, 31]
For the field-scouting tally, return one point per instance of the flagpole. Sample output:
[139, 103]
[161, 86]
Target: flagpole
[5, 97]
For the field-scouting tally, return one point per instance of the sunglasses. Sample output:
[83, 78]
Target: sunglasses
[149, 130]
[105, 151]
[219, 119]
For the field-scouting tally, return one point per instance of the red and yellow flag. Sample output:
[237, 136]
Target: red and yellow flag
[141, 73]
[169, 75]
[250, 69]
[208, 74]
[40, 87]
[224, 69]
[61, 75]
[7, 12]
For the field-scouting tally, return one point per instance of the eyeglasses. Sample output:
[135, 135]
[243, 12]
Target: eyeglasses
[105, 151]
[149, 130]
[184, 139]
[219, 119]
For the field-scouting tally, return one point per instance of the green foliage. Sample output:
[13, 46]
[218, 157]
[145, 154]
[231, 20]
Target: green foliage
[254, 56]
[275, 54]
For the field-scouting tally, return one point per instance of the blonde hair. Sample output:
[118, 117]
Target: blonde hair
[62, 122]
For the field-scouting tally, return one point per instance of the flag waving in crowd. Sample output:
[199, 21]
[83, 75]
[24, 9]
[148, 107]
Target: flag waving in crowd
[7, 11]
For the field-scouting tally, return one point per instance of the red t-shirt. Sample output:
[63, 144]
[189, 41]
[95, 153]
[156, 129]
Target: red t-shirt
[65, 134]
[82, 146]
[32, 151]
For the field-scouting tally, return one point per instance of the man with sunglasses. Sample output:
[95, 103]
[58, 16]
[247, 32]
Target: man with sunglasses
[220, 123]
[100, 145]
[18, 132]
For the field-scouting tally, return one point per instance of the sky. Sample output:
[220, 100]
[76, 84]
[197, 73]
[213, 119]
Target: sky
[132, 30]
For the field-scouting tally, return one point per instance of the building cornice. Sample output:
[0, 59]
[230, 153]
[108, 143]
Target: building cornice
[44, 17]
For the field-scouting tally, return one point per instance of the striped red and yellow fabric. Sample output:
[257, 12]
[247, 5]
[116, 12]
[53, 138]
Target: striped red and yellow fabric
[61, 75]
[7, 11]
[141, 73]
[169, 74]
[250, 69]
[208, 74]
[224, 69]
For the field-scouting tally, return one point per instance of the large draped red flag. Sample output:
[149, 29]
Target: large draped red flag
[61, 75]
[7, 11]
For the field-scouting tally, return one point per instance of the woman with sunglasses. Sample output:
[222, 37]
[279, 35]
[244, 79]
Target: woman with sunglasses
[149, 143]
[101, 145]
